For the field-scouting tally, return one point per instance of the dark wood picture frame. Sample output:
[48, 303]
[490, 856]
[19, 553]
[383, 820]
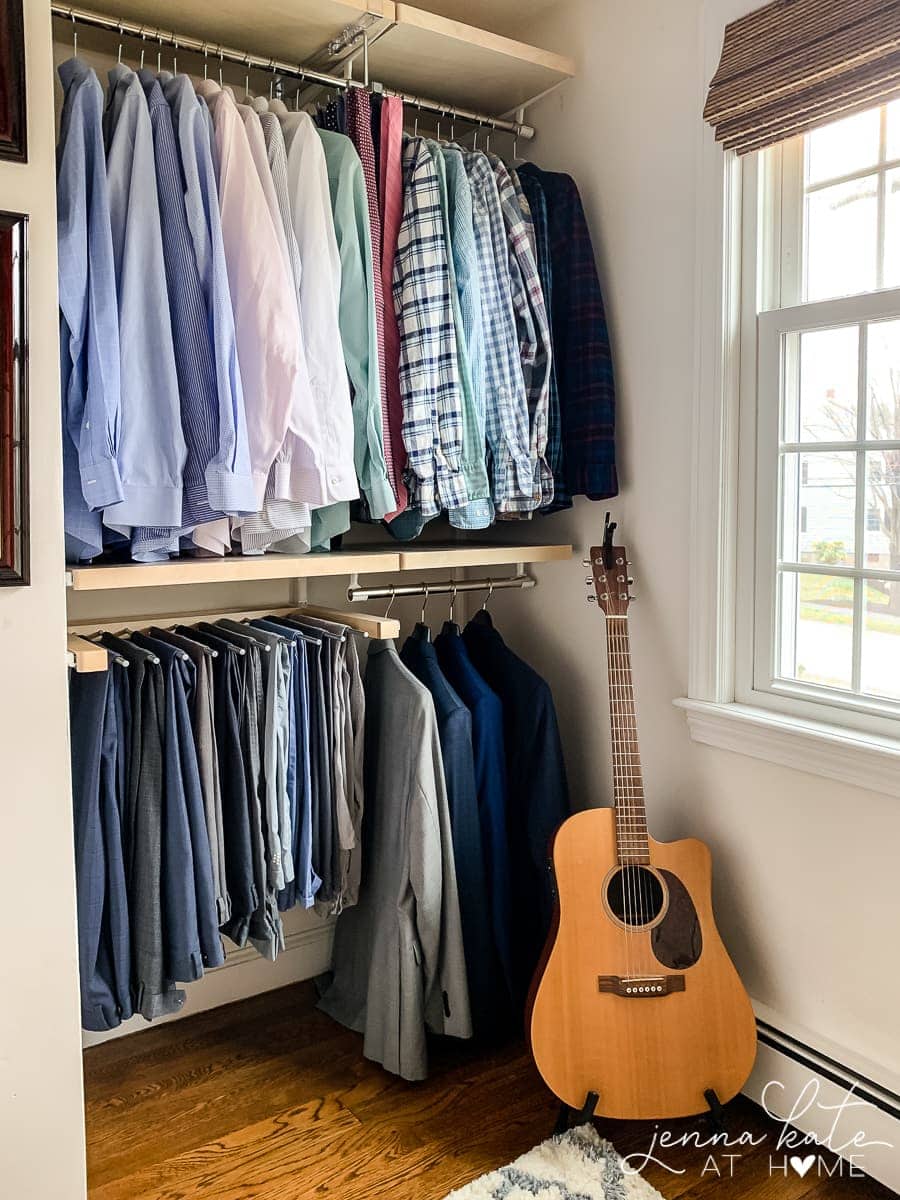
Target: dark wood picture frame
[14, 536]
[13, 124]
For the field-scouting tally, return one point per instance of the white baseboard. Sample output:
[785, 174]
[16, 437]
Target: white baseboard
[307, 953]
[817, 1095]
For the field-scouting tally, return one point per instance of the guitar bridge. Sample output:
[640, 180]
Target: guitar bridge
[640, 986]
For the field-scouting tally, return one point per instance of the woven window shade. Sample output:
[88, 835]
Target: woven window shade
[796, 64]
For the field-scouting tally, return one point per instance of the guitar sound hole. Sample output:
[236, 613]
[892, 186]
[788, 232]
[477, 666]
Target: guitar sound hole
[635, 896]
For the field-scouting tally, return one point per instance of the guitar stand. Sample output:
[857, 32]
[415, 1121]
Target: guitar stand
[585, 1115]
[716, 1112]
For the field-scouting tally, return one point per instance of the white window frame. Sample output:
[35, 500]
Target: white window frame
[723, 706]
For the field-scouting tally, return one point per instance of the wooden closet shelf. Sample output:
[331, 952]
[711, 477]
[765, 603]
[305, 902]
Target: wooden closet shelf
[235, 569]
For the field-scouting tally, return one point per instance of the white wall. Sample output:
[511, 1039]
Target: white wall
[805, 868]
[41, 1142]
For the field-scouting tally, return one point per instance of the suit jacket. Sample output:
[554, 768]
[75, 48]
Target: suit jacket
[536, 776]
[455, 732]
[398, 960]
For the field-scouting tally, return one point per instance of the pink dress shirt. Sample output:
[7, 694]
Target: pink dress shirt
[391, 193]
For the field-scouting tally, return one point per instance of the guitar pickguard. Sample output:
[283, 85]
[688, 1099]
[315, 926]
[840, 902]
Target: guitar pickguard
[677, 941]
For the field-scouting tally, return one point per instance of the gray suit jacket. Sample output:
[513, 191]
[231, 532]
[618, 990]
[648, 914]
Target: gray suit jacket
[398, 954]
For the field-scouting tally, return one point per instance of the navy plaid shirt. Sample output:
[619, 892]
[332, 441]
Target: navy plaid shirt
[584, 368]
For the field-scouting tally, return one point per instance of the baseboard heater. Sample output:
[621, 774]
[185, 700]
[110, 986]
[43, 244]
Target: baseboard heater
[866, 1089]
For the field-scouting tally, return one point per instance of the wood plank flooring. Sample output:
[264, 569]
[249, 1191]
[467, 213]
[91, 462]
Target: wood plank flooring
[269, 1099]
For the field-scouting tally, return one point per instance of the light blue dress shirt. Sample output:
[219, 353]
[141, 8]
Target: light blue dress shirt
[217, 475]
[151, 447]
[88, 325]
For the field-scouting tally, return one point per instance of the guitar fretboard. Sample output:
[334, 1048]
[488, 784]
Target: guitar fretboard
[628, 783]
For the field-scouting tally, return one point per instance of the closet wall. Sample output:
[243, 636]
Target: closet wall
[802, 864]
[40, 1067]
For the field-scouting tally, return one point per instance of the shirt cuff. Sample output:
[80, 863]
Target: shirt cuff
[101, 484]
[156, 505]
[230, 493]
[380, 497]
[315, 486]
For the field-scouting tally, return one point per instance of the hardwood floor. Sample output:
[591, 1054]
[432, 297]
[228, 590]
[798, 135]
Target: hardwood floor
[270, 1100]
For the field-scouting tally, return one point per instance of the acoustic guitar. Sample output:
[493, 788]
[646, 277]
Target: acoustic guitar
[636, 1010]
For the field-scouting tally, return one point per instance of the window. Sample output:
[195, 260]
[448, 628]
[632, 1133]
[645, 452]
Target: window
[822, 622]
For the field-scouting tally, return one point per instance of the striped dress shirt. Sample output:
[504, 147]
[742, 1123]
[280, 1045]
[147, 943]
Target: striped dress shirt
[533, 324]
[506, 418]
[429, 371]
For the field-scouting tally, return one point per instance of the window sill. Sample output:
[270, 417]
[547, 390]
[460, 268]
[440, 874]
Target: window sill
[865, 761]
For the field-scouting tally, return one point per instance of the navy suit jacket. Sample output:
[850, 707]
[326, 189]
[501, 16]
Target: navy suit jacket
[536, 776]
[455, 733]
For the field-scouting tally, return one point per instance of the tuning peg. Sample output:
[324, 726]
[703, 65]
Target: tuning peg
[589, 582]
[629, 581]
[632, 599]
[585, 562]
[592, 599]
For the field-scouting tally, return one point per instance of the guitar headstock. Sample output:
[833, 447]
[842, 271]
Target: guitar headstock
[609, 575]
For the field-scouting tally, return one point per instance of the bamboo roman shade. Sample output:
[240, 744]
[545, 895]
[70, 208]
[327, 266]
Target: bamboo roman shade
[795, 64]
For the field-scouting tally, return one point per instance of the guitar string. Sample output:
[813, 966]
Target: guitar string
[622, 779]
[633, 824]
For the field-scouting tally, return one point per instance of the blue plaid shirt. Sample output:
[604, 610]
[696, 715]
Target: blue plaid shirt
[429, 373]
[506, 417]
[537, 203]
[533, 325]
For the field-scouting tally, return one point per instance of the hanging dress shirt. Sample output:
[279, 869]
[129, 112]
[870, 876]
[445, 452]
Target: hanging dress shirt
[265, 317]
[390, 196]
[285, 518]
[151, 446]
[320, 290]
[229, 481]
[506, 419]
[478, 512]
[533, 325]
[358, 318]
[88, 317]
[429, 373]
[193, 352]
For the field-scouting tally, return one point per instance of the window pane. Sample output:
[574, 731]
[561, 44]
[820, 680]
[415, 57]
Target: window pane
[883, 381]
[881, 639]
[817, 629]
[882, 544]
[841, 233]
[843, 147]
[893, 130]
[891, 267]
[818, 507]
[821, 407]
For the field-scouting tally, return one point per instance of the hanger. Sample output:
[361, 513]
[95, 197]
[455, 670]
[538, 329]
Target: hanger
[121, 37]
[247, 79]
[159, 56]
[221, 60]
[487, 598]
[74, 35]
[450, 626]
[390, 603]
[142, 48]
[421, 632]
[175, 56]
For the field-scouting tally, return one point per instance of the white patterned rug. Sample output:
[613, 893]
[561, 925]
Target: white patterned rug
[578, 1165]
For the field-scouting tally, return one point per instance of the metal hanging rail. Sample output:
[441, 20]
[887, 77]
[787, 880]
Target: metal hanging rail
[213, 50]
[445, 587]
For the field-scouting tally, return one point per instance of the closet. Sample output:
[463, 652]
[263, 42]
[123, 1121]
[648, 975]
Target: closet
[457, 83]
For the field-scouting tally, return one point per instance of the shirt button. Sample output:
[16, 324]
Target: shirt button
[335, 479]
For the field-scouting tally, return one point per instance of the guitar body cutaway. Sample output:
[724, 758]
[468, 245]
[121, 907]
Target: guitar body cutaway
[649, 1016]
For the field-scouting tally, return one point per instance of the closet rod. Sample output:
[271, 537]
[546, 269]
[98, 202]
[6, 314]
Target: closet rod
[444, 588]
[212, 50]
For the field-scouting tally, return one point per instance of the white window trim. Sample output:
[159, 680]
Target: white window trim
[724, 453]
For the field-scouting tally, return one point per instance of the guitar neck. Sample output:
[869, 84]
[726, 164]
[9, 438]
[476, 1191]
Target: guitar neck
[628, 783]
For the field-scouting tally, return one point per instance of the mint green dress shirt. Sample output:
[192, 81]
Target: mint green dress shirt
[359, 332]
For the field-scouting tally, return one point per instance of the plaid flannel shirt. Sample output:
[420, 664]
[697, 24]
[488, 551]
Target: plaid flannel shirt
[532, 322]
[429, 372]
[506, 415]
[537, 203]
[584, 367]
